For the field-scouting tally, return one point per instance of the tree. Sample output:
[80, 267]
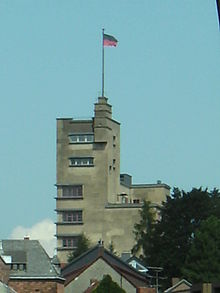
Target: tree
[144, 229]
[202, 262]
[170, 238]
[108, 286]
[111, 248]
[82, 246]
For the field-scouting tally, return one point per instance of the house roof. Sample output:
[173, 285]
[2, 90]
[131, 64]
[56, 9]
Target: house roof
[81, 263]
[29, 253]
[139, 264]
[178, 284]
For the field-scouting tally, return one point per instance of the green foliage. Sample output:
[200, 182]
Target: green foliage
[166, 243]
[143, 230]
[202, 262]
[108, 286]
[111, 248]
[82, 246]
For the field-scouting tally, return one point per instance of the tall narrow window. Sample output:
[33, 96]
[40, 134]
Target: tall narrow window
[114, 140]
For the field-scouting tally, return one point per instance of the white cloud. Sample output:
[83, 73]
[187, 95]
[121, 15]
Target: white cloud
[43, 231]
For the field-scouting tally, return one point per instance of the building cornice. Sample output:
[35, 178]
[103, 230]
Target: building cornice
[162, 185]
[123, 205]
[37, 278]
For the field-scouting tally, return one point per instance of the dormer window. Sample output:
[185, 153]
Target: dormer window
[18, 266]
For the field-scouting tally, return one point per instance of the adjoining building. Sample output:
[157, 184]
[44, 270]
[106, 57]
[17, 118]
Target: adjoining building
[90, 267]
[26, 267]
[92, 196]
[182, 286]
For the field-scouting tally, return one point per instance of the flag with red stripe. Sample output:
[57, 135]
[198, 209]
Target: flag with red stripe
[109, 40]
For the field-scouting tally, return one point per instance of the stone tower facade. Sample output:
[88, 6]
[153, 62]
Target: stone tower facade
[92, 196]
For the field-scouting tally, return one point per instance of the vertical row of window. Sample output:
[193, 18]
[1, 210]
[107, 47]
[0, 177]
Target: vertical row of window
[76, 191]
[78, 139]
[112, 166]
[114, 141]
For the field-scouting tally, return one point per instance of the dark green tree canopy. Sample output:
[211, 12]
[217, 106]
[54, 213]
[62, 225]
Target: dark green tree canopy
[144, 228]
[202, 261]
[167, 241]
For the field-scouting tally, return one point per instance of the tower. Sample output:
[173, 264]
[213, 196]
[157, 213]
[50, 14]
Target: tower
[92, 197]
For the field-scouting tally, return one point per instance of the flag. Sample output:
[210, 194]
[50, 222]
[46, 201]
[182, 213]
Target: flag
[218, 9]
[109, 40]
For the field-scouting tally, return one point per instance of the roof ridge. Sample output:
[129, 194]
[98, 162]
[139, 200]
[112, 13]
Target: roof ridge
[177, 284]
[80, 256]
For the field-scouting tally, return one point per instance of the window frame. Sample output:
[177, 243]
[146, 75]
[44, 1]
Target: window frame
[72, 191]
[80, 161]
[70, 242]
[81, 138]
[72, 217]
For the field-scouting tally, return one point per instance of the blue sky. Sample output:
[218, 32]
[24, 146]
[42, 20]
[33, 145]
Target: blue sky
[163, 81]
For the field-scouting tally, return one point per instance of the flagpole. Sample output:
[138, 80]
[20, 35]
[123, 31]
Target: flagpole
[103, 62]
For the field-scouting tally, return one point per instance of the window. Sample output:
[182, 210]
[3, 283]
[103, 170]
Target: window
[72, 191]
[81, 162]
[136, 200]
[81, 138]
[70, 242]
[72, 217]
[114, 139]
[18, 266]
[124, 199]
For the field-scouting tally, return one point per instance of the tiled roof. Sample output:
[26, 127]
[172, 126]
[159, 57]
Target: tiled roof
[31, 254]
[81, 263]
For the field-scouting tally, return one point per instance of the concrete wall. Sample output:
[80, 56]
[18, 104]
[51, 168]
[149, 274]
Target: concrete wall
[155, 193]
[107, 213]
